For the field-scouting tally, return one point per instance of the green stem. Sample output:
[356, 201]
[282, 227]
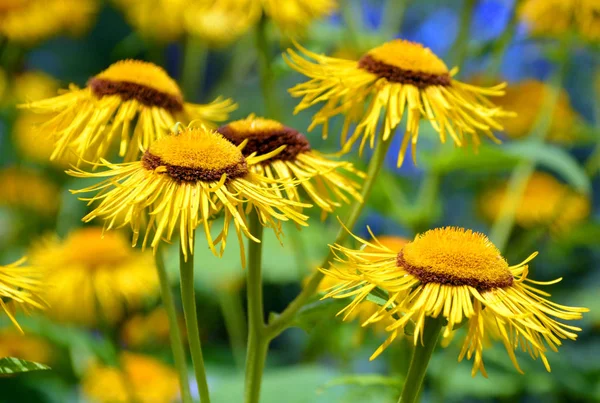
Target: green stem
[194, 67]
[420, 360]
[188, 298]
[503, 226]
[281, 322]
[258, 343]
[267, 77]
[461, 44]
[174, 331]
[501, 44]
[233, 313]
[350, 22]
[393, 17]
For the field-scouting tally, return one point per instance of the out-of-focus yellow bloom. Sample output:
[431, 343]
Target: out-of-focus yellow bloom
[21, 287]
[220, 22]
[319, 176]
[33, 86]
[27, 190]
[159, 20]
[294, 16]
[143, 379]
[526, 98]
[545, 201]
[557, 17]
[131, 103]
[3, 83]
[33, 20]
[394, 79]
[148, 330]
[455, 275]
[183, 181]
[94, 278]
[25, 346]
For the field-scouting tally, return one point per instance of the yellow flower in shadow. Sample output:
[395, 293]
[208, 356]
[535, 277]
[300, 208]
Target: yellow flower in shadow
[148, 330]
[558, 17]
[25, 346]
[27, 190]
[94, 279]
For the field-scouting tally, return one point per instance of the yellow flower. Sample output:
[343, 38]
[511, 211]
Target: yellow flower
[33, 86]
[294, 16]
[545, 201]
[33, 20]
[27, 190]
[159, 20]
[182, 181]
[558, 17]
[457, 275]
[20, 287]
[220, 22]
[94, 278]
[131, 102]
[147, 379]
[25, 346]
[526, 99]
[398, 76]
[148, 330]
[317, 174]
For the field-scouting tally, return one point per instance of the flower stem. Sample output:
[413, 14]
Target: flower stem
[194, 67]
[235, 322]
[461, 44]
[188, 298]
[267, 77]
[281, 322]
[258, 343]
[420, 360]
[174, 332]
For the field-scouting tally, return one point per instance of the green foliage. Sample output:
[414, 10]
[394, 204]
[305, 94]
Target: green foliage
[13, 366]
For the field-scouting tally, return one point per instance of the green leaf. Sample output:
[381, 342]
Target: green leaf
[365, 380]
[12, 365]
[318, 311]
[553, 158]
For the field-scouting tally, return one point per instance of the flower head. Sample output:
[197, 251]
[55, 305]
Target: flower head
[33, 86]
[545, 201]
[458, 275]
[33, 20]
[293, 16]
[29, 191]
[396, 77]
[182, 181]
[131, 103]
[158, 20]
[94, 278]
[25, 346]
[220, 22]
[149, 380]
[148, 330]
[318, 175]
[526, 99]
[20, 287]
[557, 17]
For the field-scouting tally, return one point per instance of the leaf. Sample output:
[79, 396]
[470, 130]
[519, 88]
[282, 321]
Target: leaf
[364, 380]
[12, 365]
[553, 158]
[318, 311]
[487, 158]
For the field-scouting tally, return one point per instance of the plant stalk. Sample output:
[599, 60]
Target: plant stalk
[174, 331]
[420, 360]
[267, 76]
[194, 68]
[281, 322]
[188, 298]
[258, 343]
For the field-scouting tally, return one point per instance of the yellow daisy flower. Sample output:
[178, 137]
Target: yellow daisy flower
[545, 201]
[182, 181]
[29, 191]
[294, 16]
[147, 379]
[94, 278]
[131, 102]
[33, 20]
[317, 174]
[33, 86]
[25, 346]
[396, 77]
[158, 20]
[221, 22]
[526, 99]
[148, 330]
[457, 275]
[20, 287]
[557, 17]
